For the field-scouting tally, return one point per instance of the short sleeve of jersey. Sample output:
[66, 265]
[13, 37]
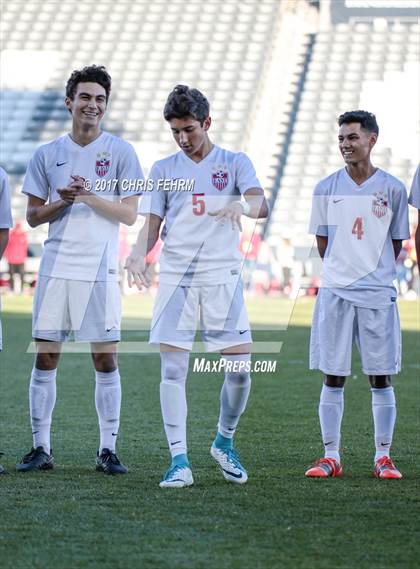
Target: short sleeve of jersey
[129, 172]
[414, 198]
[153, 201]
[5, 208]
[399, 227]
[36, 182]
[246, 177]
[318, 224]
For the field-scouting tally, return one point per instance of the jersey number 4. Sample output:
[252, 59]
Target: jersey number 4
[358, 227]
[198, 203]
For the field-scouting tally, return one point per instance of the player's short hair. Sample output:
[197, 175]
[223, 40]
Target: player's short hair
[366, 120]
[89, 74]
[184, 102]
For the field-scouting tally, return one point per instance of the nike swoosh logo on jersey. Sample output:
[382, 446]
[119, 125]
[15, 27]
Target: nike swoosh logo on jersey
[61, 163]
[175, 443]
[242, 331]
[336, 201]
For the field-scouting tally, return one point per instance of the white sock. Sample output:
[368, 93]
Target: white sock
[173, 399]
[331, 408]
[108, 406]
[235, 392]
[42, 396]
[384, 413]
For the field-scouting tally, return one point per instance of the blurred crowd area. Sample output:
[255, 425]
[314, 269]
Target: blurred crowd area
[281, 269]
[284, 270]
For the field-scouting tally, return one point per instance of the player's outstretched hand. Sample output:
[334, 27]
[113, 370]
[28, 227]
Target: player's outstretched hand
[233, 211]
[137, 270]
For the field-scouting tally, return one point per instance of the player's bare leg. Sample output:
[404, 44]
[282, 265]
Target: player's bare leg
[173, 401]
[42, 397]
[108, 405]
[331, 408]
[233, 399]
[384, 414]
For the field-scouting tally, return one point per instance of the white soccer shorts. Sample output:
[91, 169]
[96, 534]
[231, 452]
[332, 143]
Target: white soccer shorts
[91, 310]
[220, 310]
[336, 323]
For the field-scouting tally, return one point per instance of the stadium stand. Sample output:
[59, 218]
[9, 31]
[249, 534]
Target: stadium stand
[344, 63]
[147, 48]
[272, 70]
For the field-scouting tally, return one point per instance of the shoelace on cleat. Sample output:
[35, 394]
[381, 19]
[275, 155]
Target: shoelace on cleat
[112, 457]
[171, 472]
[327, 464]
[233, 458]
[29, 456]
[385, 464]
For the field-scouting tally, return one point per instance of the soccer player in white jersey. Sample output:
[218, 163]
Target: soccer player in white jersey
[414, 200]
[5, 224]
[80, 184]
[199, 271]
[359, 217]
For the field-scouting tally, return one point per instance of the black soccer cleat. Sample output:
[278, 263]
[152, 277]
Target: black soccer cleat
[36, 459]
[109, 463]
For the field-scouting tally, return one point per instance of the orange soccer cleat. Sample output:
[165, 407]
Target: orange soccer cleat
[325, 468]
[385, 468]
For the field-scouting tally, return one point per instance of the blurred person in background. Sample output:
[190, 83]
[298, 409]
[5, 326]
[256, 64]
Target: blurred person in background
[5, 225]
[249, 246]
[414, 200]
[152, 260]
[16, 254]
[285, 258]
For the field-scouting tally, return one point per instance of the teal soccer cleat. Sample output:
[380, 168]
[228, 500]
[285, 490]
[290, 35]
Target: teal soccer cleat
[230, 465]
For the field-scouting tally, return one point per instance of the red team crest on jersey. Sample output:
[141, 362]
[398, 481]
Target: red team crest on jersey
[379, 204]
[220, 177]
[103, 162]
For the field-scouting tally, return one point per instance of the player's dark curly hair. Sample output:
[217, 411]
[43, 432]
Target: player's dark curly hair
[89, 74]
[184, 102]
[367, 120]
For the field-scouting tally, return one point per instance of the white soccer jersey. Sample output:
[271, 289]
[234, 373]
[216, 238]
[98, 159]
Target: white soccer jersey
[5, 209]
[198, 250]
[360, 223]
[82, 244]
[414, 198]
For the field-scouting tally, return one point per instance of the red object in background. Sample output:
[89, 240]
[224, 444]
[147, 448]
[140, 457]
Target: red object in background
[314, 286]
[250, 245]
[153, 255]
[17, 249]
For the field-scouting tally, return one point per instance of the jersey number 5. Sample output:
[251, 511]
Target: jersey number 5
[199, 205]
[358, 227]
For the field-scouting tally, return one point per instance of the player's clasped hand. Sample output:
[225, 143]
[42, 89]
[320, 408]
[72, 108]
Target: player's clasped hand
[75, 190]
[137, 271]
[233, 211]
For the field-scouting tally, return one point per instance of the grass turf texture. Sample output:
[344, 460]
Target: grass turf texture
[73, 517]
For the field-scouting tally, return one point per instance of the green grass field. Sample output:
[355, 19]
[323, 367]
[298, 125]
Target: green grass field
[73, 517]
